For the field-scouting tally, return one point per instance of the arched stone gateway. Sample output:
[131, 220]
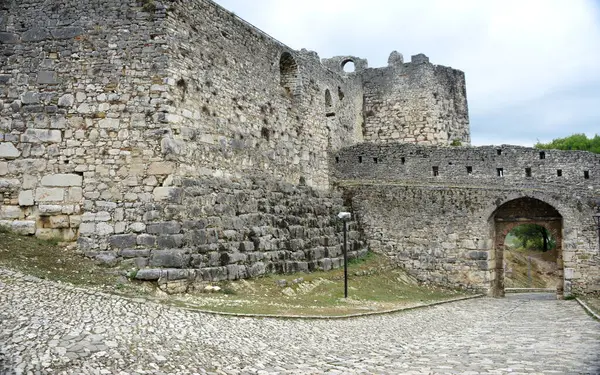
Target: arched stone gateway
[510, 215]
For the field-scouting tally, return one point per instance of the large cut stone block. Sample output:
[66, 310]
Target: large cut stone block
[161, 167]
[169, 227]
[49, 194]
[62, 179]
[122, 241]
[9, 185]
[8, 151]
[11, 212]
[23, 226]
[41, 136]
[170, 258]
[26, 198]
[170, 194]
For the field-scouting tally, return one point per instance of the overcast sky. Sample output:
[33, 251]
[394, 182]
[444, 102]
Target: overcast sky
[532, 66]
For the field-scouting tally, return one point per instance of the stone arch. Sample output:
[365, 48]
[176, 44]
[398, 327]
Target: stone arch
[288, 73]
[509, 215]
[348, 65]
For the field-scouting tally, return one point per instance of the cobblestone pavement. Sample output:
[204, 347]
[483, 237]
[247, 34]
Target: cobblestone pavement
[48, 328]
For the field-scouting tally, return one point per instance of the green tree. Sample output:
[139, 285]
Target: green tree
[533, 236]
[573, 142]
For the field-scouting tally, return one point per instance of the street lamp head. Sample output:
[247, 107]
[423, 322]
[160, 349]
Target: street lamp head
[344, 215]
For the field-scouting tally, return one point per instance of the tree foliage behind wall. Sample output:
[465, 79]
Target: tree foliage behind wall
[573, 142]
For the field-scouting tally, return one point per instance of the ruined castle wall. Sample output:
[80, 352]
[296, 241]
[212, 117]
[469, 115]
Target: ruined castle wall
[440, 227]
[81, 87]
[415, 102]
[444, 235]
[243, 103]
[510, 166]
[163, 137]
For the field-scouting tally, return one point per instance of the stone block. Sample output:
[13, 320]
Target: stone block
[67, 100]
[23, 226]
[179, 274]
[87, 228]
[9, 185]
[168, 227]
[3, 168]
[170, 258]
[26, 198]
[146, 240]
[214, 273]
[35, 34]
[30, 97]
[49, 209]
[134, 253]
[47, 77]
[161, 168]
[8, 151]
[59, 221]
[137, 227]
[9, 38]
[41, 136]
[167, 241]
[62, 180]
[102, 229]
[74, 194]
[11, 212]
[148, 274]
[67, 32]
[168, 194]
[49, 194]
[74, 221]
[109, 123]
[122, 241]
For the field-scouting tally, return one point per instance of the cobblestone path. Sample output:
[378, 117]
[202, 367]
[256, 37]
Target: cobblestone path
[47, 328]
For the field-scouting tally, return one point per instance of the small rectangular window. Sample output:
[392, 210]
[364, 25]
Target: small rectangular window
[337, 159]
[586, 175]
[542, 155]
[559, 172]
[499, 151]
[375, 160]
[436, 171]
[527, 172]
[402, 160]
[469, 170]
[500, 172]
[360, 159]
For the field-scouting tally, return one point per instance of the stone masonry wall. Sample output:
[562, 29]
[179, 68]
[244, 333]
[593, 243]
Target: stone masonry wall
[218, 229]
[441, 227]
[241, 102]
[81, 100]
[415, 102]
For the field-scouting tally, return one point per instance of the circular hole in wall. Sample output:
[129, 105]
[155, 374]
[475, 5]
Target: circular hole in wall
[348, 66]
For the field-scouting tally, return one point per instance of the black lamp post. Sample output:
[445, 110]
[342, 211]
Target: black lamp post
[345, 216]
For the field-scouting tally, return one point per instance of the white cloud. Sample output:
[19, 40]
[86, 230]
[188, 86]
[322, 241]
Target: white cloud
[513, 52]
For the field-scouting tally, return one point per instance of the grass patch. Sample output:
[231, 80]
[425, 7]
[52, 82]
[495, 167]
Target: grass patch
[374, 283]
[49, 259]
[593, 302]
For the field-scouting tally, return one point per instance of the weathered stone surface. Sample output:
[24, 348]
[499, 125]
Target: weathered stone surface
[148, 274]
[169, 258]
[23, 226]
[9, 151]
[26, 198]
[11, 212]
[122, 241]
[47, 77]
[66, 100]
[171, 227]
[41, 136]
[161, 168]
[49, 194]
[3, 168]
[62, 179]
[35, 34]
[170, 194]
[9, 184]
[9, 38]
[67, 32]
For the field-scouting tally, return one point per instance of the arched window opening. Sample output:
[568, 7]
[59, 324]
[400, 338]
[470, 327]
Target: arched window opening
[327, 98]
[288, 71]
[348, 66]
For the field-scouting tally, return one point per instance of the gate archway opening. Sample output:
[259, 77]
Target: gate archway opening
[516, 213]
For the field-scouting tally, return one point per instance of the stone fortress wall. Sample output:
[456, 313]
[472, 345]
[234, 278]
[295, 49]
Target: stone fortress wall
[176, 138]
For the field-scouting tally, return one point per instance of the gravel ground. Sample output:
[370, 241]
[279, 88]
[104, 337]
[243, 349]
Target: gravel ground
[49, 328]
